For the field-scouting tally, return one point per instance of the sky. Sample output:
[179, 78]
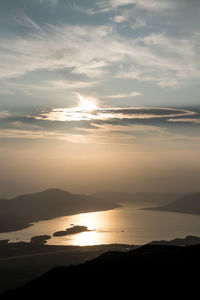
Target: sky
[99, 95]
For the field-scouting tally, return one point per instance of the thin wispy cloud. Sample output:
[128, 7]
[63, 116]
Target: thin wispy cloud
[99, 52]
[49, 2]
[4, 114]
[48, 86]
[153, 5]
[108, 6]
[185, 120]
[40, 135]
[26, 21]
[122, 96]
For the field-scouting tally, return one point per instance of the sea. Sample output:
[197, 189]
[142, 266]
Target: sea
[130, 224]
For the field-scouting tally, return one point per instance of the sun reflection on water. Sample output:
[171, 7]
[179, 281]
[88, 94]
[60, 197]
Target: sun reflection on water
[93, 221]
[92, 237]
[86, 238]
[90, 220]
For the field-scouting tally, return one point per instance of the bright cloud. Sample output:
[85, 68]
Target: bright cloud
[90, 112]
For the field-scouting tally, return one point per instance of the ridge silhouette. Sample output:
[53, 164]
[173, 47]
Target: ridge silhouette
[18, 213]
[151, 270]
[184, 204]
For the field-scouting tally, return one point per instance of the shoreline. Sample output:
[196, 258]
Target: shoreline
[22, 262]
[17, 228]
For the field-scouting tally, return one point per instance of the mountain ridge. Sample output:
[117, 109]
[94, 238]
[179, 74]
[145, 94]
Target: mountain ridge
[20, 212]
[185, 204]
[138, 197]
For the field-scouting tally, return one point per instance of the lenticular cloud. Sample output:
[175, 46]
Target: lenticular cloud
[104, 114]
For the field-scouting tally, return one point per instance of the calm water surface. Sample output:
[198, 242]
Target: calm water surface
[125, 225]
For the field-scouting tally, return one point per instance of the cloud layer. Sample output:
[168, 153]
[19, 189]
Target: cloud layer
[106, 114]
[117, 51]
[98, 52]
[122, 126]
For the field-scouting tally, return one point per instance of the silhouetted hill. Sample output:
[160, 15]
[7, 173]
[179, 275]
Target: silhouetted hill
[140, 197]
[20, 212]
[151, 270]
[22, 262]
[186, 204]
[188, 241]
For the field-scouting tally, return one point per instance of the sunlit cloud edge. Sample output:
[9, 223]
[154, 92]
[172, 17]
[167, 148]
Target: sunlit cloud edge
[90, 113]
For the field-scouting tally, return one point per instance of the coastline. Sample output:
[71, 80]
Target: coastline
[22, 262]
[16, 227]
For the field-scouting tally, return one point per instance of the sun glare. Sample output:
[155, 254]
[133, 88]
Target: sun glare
[90, 109]
[86, 104]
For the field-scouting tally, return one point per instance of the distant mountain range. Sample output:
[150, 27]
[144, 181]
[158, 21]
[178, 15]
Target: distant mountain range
[187, 241]
[184, 204]
[140, 197]
[20, 212]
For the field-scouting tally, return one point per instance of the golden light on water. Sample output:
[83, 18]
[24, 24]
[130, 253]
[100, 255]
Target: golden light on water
[99, 225]
[86, 238]
[92, 221]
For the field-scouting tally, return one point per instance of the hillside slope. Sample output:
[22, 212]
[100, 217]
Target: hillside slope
[150, 270]
[186, 204]
[20, 212]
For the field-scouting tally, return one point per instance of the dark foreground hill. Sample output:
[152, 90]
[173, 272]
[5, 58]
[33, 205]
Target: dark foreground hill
[152, 270]
[22, 262]
[20, 212]
[186, 204]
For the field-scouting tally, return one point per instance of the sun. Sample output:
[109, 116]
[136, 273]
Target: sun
[86, 104]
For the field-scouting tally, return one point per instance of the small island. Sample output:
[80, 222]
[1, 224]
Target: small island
[40, 239]
[72, 230]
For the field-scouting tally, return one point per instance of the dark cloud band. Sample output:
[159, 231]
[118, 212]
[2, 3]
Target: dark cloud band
[106, 114]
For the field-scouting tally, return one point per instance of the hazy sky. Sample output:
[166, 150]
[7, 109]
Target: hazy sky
[99, 95]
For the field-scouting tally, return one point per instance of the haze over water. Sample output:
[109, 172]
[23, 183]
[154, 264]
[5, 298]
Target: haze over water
[124, 225]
